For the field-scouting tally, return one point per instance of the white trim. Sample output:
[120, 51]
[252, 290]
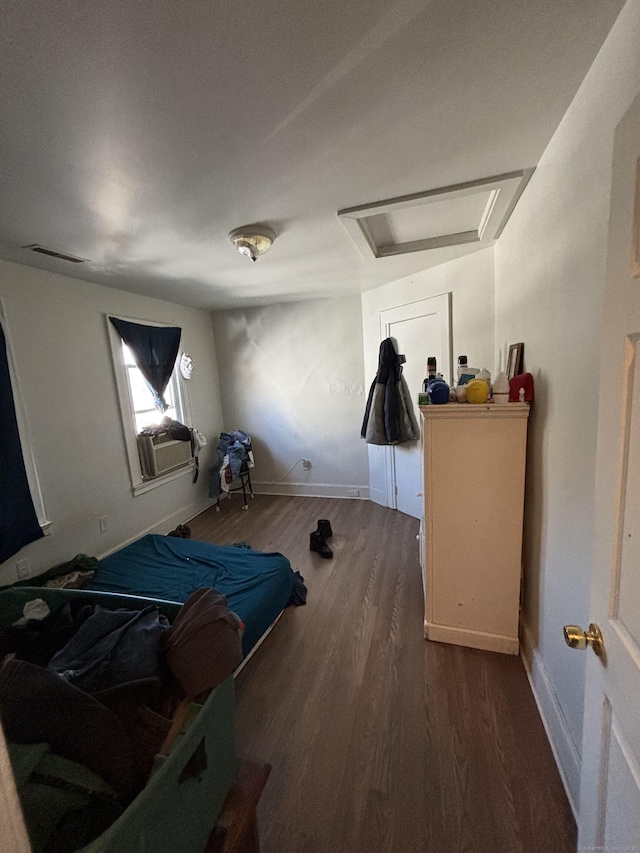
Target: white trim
[377, 496]
[148, 485]
[492, 411]
[311, 490]
[564, 749]
[504, 192]
[441, 305]
[127, 415]
[24, 429]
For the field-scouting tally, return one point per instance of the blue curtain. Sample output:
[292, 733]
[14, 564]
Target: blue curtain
[155, 349]
[18, 521]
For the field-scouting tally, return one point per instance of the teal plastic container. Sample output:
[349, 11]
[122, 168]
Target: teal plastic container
[169, 815]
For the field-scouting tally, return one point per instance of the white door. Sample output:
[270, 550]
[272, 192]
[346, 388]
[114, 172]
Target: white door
[420, 329]
[610, 777]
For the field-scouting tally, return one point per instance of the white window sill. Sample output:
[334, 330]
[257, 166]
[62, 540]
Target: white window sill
[46, 527]
[148, 485]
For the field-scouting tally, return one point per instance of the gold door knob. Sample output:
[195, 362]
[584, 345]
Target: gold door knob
[576, 638]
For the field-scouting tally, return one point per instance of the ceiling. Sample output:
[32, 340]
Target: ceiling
[137, 135]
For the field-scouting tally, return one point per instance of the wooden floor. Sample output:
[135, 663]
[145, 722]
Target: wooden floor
[379, 740]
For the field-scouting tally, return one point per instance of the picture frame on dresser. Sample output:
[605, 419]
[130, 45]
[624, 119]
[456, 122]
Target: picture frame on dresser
[515, 361]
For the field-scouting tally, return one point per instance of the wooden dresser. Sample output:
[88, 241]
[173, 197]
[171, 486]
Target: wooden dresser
[471, 535]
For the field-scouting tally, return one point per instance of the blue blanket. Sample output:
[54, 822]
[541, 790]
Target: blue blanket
[257, 585]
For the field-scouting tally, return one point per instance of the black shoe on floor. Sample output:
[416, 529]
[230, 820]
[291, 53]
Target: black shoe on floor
[324, 528]
[182, 531]
[317, 544]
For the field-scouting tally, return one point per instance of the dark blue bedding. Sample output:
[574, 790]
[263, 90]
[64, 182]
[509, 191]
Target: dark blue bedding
[257, 585]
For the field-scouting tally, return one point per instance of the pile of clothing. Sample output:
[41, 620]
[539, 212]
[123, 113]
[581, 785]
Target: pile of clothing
[89, 696]
[74, 574]
[234, 452]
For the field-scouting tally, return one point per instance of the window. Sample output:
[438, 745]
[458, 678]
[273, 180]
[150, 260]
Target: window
[137, 409]
[144, 412]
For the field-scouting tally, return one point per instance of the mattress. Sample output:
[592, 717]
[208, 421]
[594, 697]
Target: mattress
[257, 585]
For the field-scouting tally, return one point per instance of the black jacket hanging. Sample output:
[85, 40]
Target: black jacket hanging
[388, 417]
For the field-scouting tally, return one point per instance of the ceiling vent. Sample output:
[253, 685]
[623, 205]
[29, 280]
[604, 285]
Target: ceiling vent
[34, 247]
[473, 212]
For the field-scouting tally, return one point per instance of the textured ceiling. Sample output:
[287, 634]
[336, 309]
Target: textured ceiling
[137, 135]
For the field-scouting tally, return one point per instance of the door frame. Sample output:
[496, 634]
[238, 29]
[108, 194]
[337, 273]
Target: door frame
[411, 311]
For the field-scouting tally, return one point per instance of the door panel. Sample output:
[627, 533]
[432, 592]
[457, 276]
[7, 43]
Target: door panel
[622, 799]
[609, 816]
[413, 336]
[626, 591]
[420, 329]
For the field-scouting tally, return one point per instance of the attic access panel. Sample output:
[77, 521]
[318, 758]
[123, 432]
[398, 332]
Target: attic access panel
[473, 212]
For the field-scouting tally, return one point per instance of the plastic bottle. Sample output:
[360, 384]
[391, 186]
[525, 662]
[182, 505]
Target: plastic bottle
[484, 374]
[465, 373]
[431, 373]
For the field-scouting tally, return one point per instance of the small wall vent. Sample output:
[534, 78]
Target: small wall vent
[34, 247]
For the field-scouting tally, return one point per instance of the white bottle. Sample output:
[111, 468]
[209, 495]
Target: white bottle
[484, 374]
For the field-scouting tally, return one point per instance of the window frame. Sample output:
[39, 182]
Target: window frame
[24, 429]
[127, 412]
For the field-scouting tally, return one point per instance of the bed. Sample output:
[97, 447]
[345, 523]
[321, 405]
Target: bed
[257, 584]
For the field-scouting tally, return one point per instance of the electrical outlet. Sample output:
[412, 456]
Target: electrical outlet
[306, 464]
[104, 523]
[23, 569]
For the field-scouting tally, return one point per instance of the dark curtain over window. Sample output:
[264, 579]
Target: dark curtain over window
[155, 349]
[18, 521]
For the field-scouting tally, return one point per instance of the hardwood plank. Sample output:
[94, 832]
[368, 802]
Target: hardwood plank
[379, 740]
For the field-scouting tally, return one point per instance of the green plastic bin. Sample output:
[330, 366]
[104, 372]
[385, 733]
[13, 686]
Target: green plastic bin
[169, 815]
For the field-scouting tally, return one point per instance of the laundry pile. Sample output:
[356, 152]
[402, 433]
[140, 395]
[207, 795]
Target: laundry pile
[234, 452]
[89, 696]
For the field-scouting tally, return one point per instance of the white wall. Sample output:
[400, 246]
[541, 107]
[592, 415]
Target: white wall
[550, 270]
[470, 280]
[59, 335]
[291, 375]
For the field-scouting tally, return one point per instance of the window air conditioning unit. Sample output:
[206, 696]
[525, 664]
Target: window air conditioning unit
[159, 455]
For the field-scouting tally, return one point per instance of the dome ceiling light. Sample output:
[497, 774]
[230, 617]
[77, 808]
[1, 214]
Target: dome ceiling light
[252, 240]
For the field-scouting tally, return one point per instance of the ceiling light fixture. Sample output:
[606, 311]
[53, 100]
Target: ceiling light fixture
[252, 240]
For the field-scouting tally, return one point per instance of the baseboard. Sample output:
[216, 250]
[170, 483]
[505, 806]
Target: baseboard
[166, 524]
[312, 490]
[555, 724]
[378, 496]
[473, 639]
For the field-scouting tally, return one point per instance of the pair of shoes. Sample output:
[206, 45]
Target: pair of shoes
[324, 528]
[317, 539]
[318, 544]
[182, 531]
